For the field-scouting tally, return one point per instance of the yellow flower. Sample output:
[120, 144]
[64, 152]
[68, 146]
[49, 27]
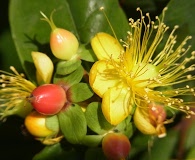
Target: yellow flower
[128, 73]
[14, 90]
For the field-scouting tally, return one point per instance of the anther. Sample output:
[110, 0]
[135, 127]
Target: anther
[188, 116]
[176, 26]
[101, 8]
[187, 107]
[193, 53]
[181, 107]
[189, 76]
[176, 92]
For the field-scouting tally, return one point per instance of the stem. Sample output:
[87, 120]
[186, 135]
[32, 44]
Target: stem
[50, 21]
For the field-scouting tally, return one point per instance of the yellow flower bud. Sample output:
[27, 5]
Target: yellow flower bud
[143, 122]
[44, 67]
[36, 125]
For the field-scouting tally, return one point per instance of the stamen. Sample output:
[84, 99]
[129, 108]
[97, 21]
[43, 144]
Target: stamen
[14, 89]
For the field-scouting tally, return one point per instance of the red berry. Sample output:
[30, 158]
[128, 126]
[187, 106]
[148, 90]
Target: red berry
[48, 99]
[116, 146]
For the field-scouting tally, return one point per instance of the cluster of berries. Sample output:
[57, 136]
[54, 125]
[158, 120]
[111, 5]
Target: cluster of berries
[50, 99]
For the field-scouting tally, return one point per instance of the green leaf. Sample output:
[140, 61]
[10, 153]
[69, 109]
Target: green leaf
[181, 13]
[83, 18]
[52, 123]
[56, 151]
[79, 92]
[125, 127]
[89, 20]
[67, 67]
[30, 33]
[96, 120]
[86, 53]
[189, 130]
[92, 140]
[8, 54]
[70, 79]
[49, 152]
[191, 154]
[162, 148]
[73, 124]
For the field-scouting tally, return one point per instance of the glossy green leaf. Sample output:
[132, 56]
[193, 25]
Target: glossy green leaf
[181, 13]
[89, 19]
[73, 124]
[70, 79]
[83, 18]
[67, 67]
[8, 54]
[79, 92]
[96, 120]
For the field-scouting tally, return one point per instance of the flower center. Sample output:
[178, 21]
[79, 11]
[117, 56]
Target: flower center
[143, 75]
[136, 76]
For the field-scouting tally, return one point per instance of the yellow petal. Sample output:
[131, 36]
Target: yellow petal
[44, 66]
[102, 76]
[142, 122]
[106, 46]
[116, 105]
[143, 73]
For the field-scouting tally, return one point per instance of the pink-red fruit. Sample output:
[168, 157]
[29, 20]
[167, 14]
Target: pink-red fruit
[48, 99]
[63, 44]
[116, 146]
